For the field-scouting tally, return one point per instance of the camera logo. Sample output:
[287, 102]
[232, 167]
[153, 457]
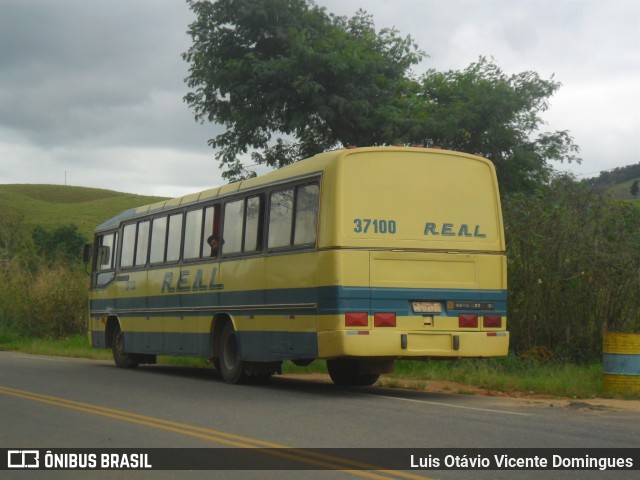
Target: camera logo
[23, 459]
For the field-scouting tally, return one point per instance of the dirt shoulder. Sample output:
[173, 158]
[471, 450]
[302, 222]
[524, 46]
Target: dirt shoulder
[521, 398]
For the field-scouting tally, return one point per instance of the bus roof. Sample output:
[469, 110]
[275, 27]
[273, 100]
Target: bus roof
[307, 167]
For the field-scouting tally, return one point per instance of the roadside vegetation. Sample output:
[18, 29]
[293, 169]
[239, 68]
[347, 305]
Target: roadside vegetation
[300, 82]
[499, 376]
[573, 262]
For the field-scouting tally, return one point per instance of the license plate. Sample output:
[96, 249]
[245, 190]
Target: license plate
[471, 305]
[427, 307]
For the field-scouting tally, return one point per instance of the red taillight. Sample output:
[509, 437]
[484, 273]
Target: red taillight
[467, 320]
[384, 319]
[492, 321]
[356, 319]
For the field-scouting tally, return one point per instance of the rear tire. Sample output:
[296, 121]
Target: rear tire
[231, 366]
[344, 372]
[120, 357]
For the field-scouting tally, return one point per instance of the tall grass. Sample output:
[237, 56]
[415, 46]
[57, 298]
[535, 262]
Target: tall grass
[47, 302]
[573, 260]
[511, 374]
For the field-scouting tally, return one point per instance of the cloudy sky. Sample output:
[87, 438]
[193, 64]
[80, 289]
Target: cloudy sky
[91, 90]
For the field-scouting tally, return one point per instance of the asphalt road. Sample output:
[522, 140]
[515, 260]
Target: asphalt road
[55, 402]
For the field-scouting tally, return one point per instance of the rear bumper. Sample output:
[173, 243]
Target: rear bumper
[408, 344]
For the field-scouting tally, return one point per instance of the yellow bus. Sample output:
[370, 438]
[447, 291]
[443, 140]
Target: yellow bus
[358, 256]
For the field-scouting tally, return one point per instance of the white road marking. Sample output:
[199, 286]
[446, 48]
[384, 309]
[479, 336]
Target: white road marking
[441, 404]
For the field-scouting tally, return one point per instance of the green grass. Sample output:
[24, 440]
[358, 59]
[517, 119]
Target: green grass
[51, 206]
[623, 190]
[76, 346]
[508, 375]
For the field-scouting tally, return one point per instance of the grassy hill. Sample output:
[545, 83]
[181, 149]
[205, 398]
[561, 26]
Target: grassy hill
[53, 205]
[623, 190]
[617, 182]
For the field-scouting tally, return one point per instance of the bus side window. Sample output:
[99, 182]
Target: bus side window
[192, 234]
[211, 228]
[142, 244]
[280, 218]
[232, 231]
[306, 222]
[128, 245]
[252, 226]
[104, 257]
[243, 225]
[293, 216]
[158, 239]
[174, 238]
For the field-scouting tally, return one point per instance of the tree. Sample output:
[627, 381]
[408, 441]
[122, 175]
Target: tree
[288, 80]
[573, 262]
[483, 110]
[635, 188]
[285, 67]
[64, 243]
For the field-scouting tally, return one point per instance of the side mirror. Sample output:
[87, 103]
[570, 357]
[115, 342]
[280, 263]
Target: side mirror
[86, 252]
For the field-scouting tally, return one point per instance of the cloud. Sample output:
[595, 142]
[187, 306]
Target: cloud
[95, 88]
[76, 68]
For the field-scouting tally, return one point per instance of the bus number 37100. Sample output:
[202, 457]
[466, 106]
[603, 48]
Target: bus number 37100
[369, 225]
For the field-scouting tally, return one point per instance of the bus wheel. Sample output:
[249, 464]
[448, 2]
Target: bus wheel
[120, 357]
[231, 366]
[344, 372]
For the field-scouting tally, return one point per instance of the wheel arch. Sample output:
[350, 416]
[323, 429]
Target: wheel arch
[217, 325]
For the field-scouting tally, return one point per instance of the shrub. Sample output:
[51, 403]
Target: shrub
[51, 302]
[573, 261]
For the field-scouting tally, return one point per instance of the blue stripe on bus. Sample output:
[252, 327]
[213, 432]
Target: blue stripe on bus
[329, 300]
[254, 346]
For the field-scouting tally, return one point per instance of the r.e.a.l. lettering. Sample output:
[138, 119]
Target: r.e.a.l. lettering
[184, 281]
[453, 230]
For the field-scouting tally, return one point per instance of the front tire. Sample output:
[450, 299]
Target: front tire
[120, 357]
[231, 366]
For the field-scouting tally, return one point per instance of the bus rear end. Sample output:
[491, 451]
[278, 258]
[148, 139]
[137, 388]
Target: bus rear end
[414, 259]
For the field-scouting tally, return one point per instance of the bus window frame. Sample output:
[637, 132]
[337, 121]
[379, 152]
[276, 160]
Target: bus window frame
[113, 264]
[201, 208]
[260, 237]
[216, 230]
[292, 246]
[134, 265]
[179, 259]
[123, 229]
[295, 216]
[259, 227]
[218, 207]
[164, 246]
[145, 263]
